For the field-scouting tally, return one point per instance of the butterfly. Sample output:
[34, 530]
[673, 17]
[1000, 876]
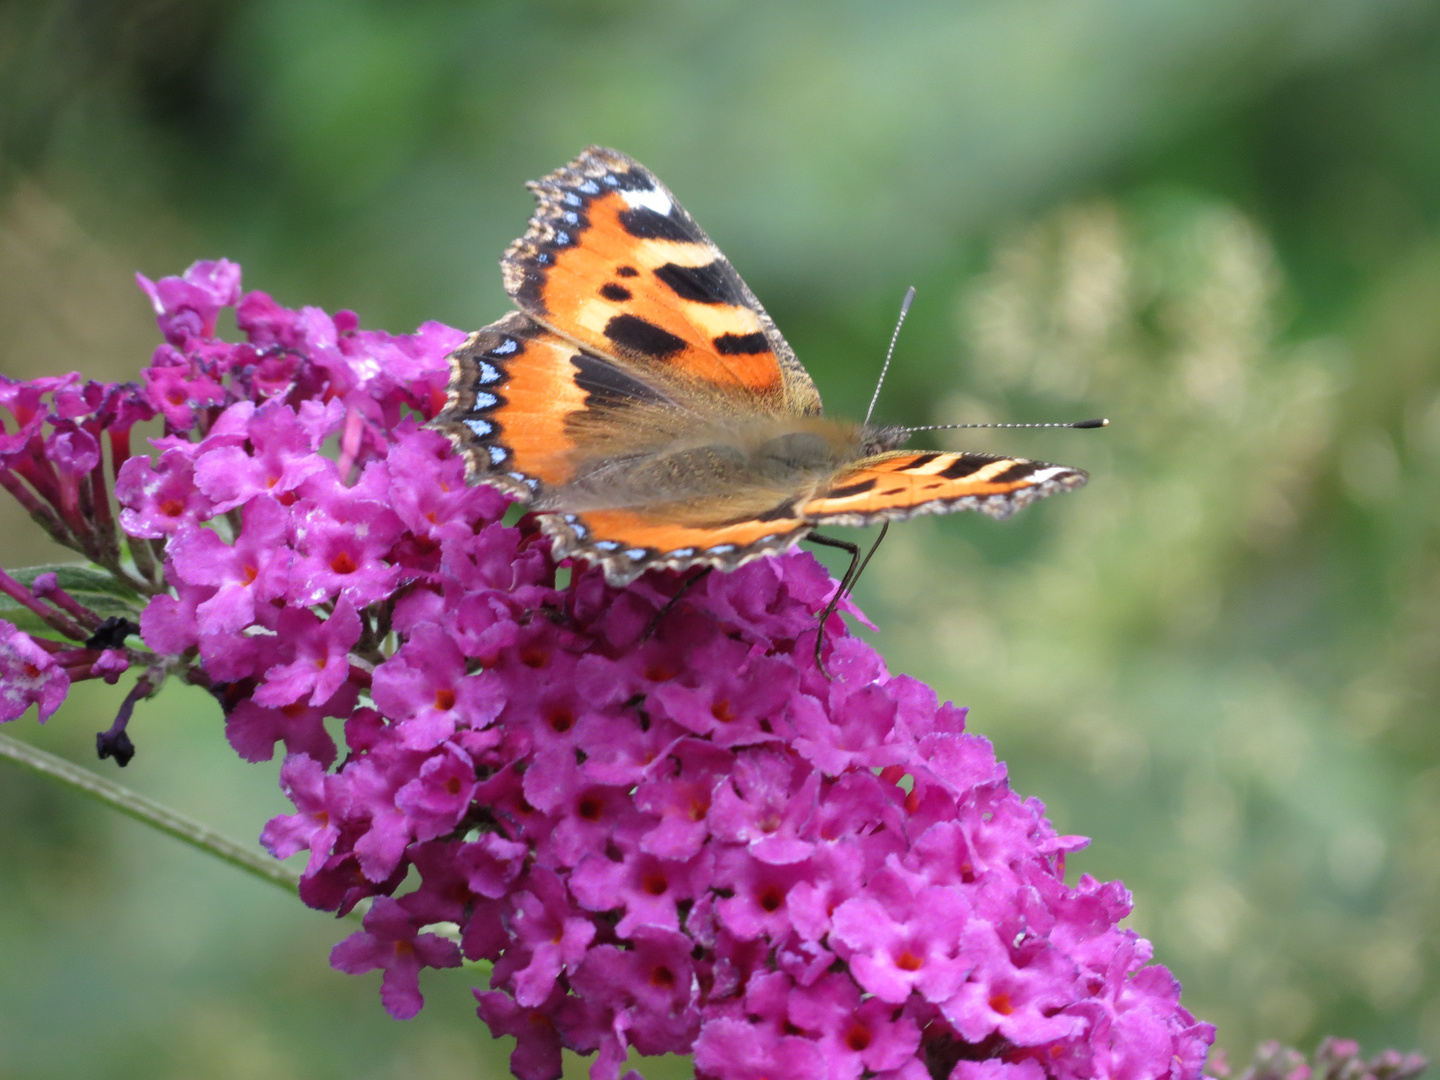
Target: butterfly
[645, 406]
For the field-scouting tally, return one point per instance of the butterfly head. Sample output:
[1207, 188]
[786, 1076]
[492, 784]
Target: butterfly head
[876, 438]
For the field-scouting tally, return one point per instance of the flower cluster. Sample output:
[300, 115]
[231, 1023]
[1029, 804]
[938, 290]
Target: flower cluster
[666, 828]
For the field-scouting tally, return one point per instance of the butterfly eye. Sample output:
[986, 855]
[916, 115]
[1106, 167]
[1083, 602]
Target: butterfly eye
[877, 440]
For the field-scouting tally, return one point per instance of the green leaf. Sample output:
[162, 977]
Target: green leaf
[90, 585]
[27, 620]
[77, 578]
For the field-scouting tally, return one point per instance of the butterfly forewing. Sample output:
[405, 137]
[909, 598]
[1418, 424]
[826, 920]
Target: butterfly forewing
[613, 261]
[903, 483]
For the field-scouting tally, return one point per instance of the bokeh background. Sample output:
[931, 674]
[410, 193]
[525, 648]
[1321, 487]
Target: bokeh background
[1215, 221]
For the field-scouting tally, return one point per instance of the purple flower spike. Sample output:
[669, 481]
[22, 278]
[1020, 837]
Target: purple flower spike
[690, 841]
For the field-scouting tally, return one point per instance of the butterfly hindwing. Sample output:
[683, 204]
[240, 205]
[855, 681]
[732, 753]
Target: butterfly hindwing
[536, 415]
[629, 541]
[612, 260]
[903, 483]
[513, 393]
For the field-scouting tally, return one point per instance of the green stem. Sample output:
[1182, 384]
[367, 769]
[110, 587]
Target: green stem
[186, 829]
[137, 806]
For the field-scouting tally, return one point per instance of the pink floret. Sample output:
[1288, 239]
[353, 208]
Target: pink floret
[28, 676]
[390, 942]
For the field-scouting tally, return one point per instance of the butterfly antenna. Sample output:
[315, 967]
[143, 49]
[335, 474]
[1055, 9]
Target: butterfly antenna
[904, 310]
[1097, 423]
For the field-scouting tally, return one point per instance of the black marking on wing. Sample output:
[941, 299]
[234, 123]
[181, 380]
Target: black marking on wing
[612, 291]
[636, 335]
[626, 271]
[742, 344]
[529, 292]
[784, 511]
[645, 223]
[849, 489]
[714, 283]
[630, 178]
[1018, 471]
[921, 461]
[605, 384]
[964, 466]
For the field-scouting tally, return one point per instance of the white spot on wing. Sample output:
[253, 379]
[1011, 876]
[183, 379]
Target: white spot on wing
[657, 201]
[1048, 474]
[480, 427]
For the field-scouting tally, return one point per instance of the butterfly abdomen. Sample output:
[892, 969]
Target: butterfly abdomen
[756, 465]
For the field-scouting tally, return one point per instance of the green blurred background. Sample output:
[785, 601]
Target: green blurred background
[1215, 221]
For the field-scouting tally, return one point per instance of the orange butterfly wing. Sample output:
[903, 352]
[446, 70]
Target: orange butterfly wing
[517, 370]
[612, 261]
[884, 487]
[903, 483]
[628, 541]
[530, 410]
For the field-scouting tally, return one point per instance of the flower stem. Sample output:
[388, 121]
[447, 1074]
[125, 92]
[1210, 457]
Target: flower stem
[137, 806]
[186, 829]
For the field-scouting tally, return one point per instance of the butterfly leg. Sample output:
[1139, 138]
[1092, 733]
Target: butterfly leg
[688, 584]
[847, 582]
[843, 545]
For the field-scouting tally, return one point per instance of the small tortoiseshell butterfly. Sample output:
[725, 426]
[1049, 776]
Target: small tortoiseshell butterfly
[645, 405]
